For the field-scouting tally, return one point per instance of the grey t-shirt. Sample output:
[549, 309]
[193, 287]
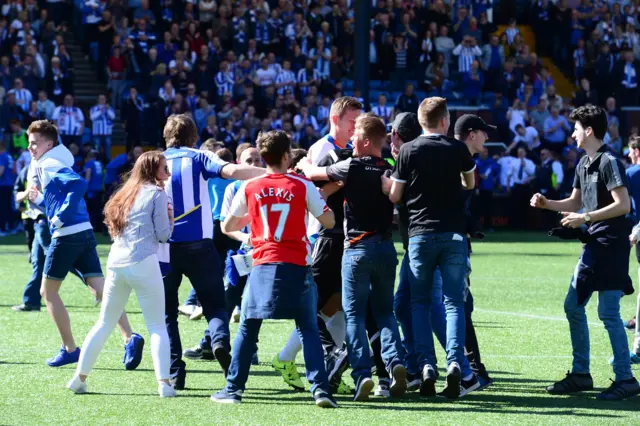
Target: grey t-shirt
[147, 225]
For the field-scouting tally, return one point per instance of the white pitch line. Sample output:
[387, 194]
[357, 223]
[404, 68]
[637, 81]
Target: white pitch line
[532, 316]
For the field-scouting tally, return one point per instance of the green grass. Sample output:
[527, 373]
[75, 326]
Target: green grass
[518, 287]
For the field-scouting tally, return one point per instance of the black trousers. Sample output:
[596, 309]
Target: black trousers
[520, 195]
[6, 209]
[471, 348]
[198, 261]
[29, 233]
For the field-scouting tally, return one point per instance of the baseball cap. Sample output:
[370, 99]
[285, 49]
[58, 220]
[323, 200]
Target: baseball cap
[470, 122]
[406, 125]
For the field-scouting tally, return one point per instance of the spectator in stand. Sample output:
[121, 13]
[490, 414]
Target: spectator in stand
[488, 173]
[556, 130]
[6, 191]
[102, 116]
[521, 174]
[70, 121]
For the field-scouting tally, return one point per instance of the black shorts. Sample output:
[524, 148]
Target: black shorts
[327, 266]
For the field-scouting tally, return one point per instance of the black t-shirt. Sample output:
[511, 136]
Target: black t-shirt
[336, 200]
[368, 211]
[430, 167]
[596, 179]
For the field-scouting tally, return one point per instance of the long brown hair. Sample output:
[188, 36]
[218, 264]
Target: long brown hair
[117, 209]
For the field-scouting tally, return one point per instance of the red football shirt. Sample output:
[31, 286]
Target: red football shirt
[277, 205]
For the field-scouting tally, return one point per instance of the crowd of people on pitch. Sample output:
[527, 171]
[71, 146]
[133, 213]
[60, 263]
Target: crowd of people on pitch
[287, 233]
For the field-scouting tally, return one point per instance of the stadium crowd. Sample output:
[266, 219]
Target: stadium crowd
[240, 68]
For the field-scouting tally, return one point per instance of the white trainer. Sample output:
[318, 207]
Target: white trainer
[76, 385]
[166, 391]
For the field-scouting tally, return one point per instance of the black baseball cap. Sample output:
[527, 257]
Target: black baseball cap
[406, 125]
[470, 122]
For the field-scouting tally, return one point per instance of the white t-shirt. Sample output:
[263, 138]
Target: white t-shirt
[266, 77]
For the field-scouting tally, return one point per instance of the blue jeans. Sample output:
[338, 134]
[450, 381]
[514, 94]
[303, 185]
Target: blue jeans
[368, 276]
[447, 251]
[609, 314]
[41, 241]
[245, 344]
[103, 141]
[402, 309]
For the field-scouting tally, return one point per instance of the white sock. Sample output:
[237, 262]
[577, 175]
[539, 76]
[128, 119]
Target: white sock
[337, 326]
[636, 344]
[291, 349]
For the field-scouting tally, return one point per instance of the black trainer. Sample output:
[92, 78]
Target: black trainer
[178, 380]
[454, 379]
[399, 384]
[199, 354]
[363, 388]
[336, 364]
[413, 382]
[428, 385]
[223, 357]
[619, 390]
[572, 383]
[324, 399]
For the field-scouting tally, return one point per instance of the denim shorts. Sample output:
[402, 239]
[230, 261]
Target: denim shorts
[73, 251]
[277, 291]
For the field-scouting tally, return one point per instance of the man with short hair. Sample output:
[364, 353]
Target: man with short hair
[437, 235]
[60, 190]
[327, 256]
[191, 249]
[370, 259]
[102, 116]
[599, 191]
[280, 285]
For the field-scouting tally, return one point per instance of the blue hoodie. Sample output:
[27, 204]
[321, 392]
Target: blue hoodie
[62, 193]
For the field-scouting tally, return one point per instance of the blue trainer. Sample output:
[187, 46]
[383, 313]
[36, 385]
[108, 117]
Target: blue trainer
[133, 352]
[485, 382]
[226, 397]
[63, 358]
[634, 358]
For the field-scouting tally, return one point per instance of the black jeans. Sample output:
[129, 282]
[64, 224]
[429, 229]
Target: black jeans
[6, 210]
[471, 341]
[29, 233]
[199, 261]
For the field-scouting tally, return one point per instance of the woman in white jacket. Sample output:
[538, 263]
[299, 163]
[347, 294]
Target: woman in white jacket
[139, 217]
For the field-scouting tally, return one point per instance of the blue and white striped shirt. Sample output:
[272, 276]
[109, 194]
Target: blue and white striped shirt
[70, 120]
[23, 98]
[102, 118]
[224, 82]
[511, 34]
[384, 112]
[466, 56]
[322, 64]
[288, 78]
[189, 193]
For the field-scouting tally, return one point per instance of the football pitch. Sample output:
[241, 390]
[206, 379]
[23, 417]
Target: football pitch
[519, 282]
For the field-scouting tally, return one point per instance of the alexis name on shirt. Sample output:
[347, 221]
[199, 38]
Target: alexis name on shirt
[274, 192]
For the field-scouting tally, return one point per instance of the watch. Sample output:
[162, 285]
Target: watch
[587, 218]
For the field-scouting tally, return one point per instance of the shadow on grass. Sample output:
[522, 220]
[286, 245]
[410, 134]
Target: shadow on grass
[477, 402]
[519, 254]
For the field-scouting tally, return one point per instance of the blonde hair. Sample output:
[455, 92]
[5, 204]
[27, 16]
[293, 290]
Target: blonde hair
[431, 111]
[344, 104]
